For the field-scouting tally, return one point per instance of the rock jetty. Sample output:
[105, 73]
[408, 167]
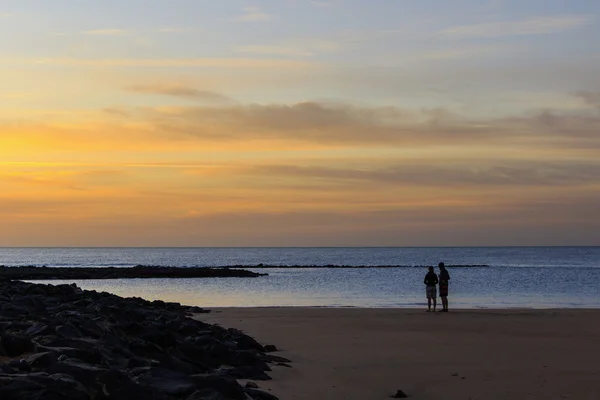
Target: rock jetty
[140, 271]
[62, 342]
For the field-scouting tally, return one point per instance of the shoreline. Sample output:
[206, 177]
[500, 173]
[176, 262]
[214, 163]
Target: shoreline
[359, 353]
[476, 309]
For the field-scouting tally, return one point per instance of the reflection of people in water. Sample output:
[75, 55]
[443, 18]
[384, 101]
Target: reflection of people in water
[430, 281]
[444, 278]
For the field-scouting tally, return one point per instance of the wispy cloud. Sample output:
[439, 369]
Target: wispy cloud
[531, 26]
[462, 52]
[277, 50]
[272, 170]
[106, 32]
[6, 14]
[472, 172]
[591, 98]
[171, 29]
[335, 125]
[164, 62]
[178, 90]
[310, 46]
[252, 14]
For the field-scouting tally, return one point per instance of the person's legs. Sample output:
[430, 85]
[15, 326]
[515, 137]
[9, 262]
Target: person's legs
[430, 295]
[434, 303]
[444, 296]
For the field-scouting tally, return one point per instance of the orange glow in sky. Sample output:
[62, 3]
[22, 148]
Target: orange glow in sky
[389, 124]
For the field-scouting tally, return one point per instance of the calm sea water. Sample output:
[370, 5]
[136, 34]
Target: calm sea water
[536, 277]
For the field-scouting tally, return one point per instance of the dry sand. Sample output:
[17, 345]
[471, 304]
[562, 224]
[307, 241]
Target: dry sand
[370, 353]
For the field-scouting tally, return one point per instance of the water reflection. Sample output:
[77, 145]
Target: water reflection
[402, 287]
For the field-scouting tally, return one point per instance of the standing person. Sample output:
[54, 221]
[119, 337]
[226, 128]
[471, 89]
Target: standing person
[430, 281]
[444, 278]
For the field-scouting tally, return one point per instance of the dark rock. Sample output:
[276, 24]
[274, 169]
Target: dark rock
[251, 385]
[400, 395]
[42, 360]
[245, 342]
[118, 385]
[227, 386]
[273, 358]
[65, 343]
[24, 366]
[167, 382]
[140, 271]
[246, 372]
[82, 372]
[41, 386]
[269, 348]
[158, 335]
[15, 345]
[259, 394]
[68, 330]
[284, 365]
[206, 394]
[91, 328]
[198, 310]
[36, 329]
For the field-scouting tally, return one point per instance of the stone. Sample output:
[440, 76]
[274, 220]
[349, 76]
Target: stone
[260, 395]
[66, 343]
[167, 382]
[206, 394]
[42, 360]
[36, 329]
[68, 330]
[227, 386]
[82, 372]
[269, 348]
[274, 358]
[246, 372]
[15, 345]
[400, 395]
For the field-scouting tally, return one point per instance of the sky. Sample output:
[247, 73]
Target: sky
[299, 123]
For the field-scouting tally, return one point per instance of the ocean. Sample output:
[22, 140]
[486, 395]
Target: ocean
[483, 277]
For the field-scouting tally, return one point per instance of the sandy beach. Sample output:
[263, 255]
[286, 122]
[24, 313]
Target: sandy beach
[465, 354]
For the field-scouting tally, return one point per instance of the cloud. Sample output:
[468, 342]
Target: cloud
[174, 30]
[591, 98]
[310, 46]
[276, 174]
[252, 14]
[165, 62]
[313, 125]
[180, 91]
[532, 26]
[277, 50]
[346, 125]
[479, 173]
[106, 32]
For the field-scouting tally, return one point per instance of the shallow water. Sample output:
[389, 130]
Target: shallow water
[533, 277]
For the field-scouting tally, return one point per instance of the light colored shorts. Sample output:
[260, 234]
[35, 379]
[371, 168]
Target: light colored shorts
[431, 292]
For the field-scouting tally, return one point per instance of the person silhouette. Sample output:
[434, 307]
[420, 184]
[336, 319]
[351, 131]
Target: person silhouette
[430, 281]
[444, 278]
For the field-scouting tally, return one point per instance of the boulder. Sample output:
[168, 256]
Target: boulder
[260, 395]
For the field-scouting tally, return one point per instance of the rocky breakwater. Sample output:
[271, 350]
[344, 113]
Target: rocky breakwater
[140, 271]
[61, 342]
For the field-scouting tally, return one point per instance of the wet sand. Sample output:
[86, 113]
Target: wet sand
[469, 354]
